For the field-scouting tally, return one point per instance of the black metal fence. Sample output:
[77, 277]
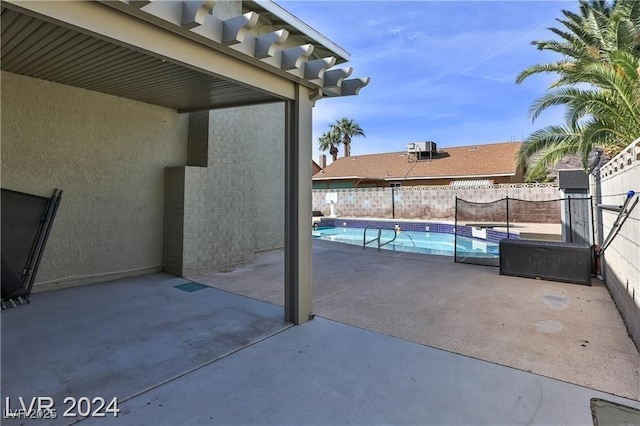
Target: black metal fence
[479, 227]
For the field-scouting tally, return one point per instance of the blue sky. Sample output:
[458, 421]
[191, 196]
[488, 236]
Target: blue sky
[440, 70]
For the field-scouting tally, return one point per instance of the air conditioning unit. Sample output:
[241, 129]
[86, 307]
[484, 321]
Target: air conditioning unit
[421, 146]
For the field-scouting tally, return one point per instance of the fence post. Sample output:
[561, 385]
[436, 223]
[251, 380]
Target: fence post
[508, 237]
[593, 220]
[393, 202]
[455, 232]
[570, 225]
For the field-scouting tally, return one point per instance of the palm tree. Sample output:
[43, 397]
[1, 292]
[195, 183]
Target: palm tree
[589, 37]
[598, 84]
[606, 115]
[330, 141]
[347, 129]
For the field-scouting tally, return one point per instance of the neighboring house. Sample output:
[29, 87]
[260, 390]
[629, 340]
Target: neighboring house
[155, 119]
[315, 168]
[456, 166]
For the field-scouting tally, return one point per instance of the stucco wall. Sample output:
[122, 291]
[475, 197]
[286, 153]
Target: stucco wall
[108, 155]
[621, 260]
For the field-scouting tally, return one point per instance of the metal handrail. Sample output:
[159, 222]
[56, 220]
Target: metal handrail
[395, 235]
[364, 238]
[414, 243]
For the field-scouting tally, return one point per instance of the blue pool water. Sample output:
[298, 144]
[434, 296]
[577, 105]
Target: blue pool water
[411, 241]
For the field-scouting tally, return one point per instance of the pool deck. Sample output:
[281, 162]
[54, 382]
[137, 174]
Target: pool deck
[564, 331]
[398, 338]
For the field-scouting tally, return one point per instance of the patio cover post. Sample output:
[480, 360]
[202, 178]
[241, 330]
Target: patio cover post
[297, 260]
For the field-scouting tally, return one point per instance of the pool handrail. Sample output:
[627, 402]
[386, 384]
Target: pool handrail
[395, 235]
[414, 243]
[364, 238]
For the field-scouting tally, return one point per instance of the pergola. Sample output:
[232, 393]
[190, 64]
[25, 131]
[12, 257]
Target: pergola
[180, 55]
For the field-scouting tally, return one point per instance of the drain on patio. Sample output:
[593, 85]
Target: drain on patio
[190, 287]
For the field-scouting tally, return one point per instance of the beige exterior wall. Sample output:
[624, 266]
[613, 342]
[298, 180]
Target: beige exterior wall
[108, 155]
[620, 268]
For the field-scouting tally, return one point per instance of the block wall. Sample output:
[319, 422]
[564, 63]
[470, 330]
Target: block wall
[233, 206]
[436, 202]
[621, 260]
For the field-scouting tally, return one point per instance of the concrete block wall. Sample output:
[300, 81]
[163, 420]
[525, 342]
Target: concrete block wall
[436, 202]
[234, 206]
[621, 260]
[198, 151]
[174, 219]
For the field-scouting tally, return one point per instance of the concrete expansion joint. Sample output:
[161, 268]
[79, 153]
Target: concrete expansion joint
[201, 366]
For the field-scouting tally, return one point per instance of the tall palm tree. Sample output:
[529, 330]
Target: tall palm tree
[330, 141]
[347, 129]
[598, 84]
[589, 37]
[605, 114]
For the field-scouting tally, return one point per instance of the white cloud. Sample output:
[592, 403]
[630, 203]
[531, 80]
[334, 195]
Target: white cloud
[373, 23]
[396, 30]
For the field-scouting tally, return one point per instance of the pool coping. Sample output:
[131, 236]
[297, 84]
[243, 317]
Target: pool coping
[476, 232]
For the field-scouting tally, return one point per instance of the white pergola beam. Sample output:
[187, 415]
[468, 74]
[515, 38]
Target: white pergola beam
[170, 11]
[195, 17]
[351, 87]
[294, 57]
[267, 44]
[316, 68]
[235, 29]
[333, 78]
[194, 13]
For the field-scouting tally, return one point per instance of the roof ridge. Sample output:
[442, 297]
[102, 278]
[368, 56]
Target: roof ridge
[439, 148]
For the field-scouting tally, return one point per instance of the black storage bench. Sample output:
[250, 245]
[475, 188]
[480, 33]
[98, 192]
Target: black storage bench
[547, 260]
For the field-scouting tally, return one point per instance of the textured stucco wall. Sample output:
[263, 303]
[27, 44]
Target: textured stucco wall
[621, 260]
[108, 155]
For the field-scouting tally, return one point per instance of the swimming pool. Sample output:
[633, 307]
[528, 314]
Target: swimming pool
[411, 241]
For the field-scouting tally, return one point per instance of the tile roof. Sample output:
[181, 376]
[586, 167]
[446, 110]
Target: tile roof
[498, 159]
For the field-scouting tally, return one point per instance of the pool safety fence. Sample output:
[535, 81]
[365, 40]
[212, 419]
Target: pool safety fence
[510, 218]
[436, 203]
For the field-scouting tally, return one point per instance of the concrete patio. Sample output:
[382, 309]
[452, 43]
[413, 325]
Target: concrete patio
[565, 331]
[398, 339]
